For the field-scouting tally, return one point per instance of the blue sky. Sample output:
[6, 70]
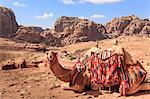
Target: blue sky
[45, 12]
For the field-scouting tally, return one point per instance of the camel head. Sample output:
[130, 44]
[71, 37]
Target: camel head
[51, 56]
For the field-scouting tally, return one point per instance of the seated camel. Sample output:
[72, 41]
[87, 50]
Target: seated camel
[80, 81]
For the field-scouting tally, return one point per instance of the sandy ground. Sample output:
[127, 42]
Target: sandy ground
[40, 83]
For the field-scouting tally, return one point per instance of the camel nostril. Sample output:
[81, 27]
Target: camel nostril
[50, 56]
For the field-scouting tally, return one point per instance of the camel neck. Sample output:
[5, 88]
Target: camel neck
[60, 72]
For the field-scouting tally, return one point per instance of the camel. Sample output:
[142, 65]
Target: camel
[81, 81]
[65, 74]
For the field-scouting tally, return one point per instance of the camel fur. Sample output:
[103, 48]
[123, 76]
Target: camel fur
[65, 74]
[82, 80]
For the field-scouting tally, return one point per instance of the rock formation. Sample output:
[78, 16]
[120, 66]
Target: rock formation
[72, 29]
[138, 27]
[128, 25]
[68, 30]
[8, 24]
[50, 39]
[146, 30]
[29, 34]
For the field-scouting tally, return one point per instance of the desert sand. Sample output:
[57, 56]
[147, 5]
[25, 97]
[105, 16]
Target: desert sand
[40, 83]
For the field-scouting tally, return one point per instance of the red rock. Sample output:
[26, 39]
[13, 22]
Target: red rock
[8, 24]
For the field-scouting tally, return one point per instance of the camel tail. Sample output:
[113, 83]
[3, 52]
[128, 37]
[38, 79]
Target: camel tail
[145, 86]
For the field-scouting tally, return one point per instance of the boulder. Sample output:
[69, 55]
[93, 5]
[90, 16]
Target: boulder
[8, 24]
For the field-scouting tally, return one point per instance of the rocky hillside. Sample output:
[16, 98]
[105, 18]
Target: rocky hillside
[8, 24]
[72, 29]
[29, 34]
[128, 25]
[69, 30]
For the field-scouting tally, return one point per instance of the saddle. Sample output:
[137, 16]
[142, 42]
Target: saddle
[104, 68]
[109, 69]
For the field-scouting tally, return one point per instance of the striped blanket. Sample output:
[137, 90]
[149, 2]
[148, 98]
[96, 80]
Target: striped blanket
[108, 69]
[104, 67]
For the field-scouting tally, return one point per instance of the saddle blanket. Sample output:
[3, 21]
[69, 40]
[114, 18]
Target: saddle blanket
[108, 69]
[103, 66]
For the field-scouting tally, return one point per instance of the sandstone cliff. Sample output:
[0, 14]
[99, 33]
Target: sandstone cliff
[29, 34]
[72, 29]
[128, 25]
[69, 30]
[8, 24]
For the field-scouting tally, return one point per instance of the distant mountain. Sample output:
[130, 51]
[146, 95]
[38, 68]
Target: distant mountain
[68, 30]
[128, 25]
